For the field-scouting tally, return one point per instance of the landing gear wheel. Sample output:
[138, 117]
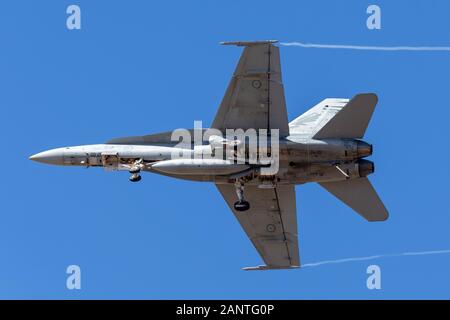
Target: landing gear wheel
[135, 177]
[241, 205]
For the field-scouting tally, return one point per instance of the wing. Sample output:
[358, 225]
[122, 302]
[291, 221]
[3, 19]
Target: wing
[270, 223]
[255, 94]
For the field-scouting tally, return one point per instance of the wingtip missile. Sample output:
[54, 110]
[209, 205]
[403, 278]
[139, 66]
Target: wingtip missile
[265, 267]
[247, 43]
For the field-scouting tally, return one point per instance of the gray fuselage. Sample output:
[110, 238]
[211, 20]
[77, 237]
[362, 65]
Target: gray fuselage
[300, 160]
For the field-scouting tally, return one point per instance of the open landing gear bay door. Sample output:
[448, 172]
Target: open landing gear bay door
[270, 223]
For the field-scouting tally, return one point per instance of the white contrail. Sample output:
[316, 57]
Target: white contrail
[372, 48]
[418, 253]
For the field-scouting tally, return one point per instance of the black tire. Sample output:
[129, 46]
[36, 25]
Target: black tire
[135, 179]
[241, 206]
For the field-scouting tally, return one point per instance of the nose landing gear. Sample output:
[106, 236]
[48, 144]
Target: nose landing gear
[135, 170]
[135, 177]
[242, 204]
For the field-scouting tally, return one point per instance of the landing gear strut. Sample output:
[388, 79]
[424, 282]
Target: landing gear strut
[135, 170]
[241, 205]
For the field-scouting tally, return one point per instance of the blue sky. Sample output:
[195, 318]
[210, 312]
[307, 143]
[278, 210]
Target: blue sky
[139, 67]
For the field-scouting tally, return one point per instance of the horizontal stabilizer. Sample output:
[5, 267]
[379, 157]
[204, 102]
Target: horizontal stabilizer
[352, 120]
[359, 195]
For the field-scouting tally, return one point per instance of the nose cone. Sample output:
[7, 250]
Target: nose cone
[54, 156]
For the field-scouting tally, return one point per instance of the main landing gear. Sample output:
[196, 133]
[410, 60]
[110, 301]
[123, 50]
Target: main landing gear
[242, 204]
[135, 171]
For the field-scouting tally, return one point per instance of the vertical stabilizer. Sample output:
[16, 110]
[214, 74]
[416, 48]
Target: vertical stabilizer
[352, 120]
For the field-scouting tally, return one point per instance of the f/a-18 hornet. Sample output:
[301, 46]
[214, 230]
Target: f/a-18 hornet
[258, 183]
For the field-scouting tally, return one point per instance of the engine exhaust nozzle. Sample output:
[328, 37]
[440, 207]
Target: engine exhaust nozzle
[365, 167]
[364, 149]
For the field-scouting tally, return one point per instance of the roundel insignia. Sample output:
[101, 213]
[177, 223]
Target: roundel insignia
[256, 84]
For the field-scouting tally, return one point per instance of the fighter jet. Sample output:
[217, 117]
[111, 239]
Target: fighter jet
[322, 145]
